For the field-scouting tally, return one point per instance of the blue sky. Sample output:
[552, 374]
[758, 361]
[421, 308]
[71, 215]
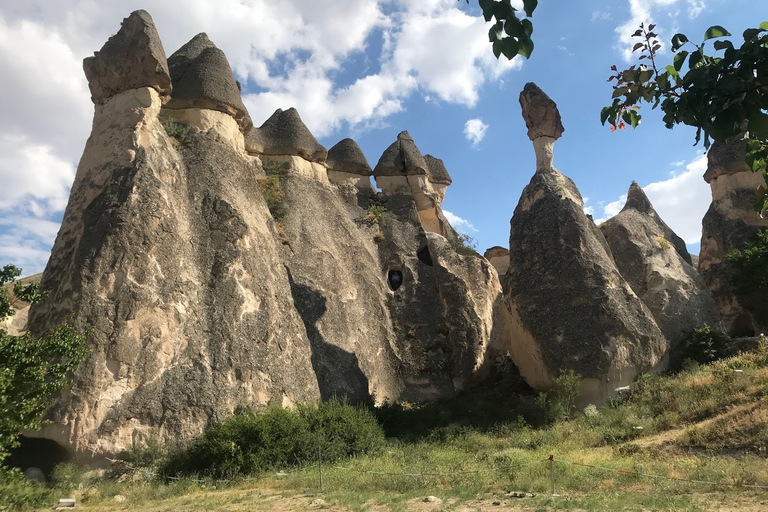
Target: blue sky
[368, 69]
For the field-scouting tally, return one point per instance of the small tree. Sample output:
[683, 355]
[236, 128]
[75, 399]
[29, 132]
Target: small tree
[32, 370]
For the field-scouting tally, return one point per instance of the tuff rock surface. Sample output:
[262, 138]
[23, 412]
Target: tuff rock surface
[498, 257]
[729, 224]
[567, 305]
[542, 118]
[132, 58]
[656, 264]
[284, 133]
[203, 79]
[347, 163]
[197, 300]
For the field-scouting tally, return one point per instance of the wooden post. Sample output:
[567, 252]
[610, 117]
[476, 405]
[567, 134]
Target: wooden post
[320, 466]
[552, 474]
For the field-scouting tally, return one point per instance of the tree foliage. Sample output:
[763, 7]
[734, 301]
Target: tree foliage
[751, 264]
[509, 35]
[32, 370]
[722, 93]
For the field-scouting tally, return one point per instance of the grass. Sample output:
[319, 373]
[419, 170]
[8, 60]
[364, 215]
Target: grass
[700, 434]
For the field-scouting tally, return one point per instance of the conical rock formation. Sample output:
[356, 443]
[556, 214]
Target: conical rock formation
[284, 133]
[657, 266]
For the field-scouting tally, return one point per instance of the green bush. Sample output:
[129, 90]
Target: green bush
[272, 190]
[375, 213]
[463, 244]
[250, 442]
[175, 129]
[18, 493]
[559, 402]
[705, 345]
[751, 264]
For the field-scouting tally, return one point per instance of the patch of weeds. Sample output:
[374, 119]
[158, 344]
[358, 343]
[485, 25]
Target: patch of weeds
[559, 402]
[664, 244]
[18, 493]
[375, 213]
[463, 244]
[705, 345]
[272, 190]
[178, 131]
[378, 237]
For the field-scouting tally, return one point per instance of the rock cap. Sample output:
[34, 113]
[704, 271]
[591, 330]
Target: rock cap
[726, 158]
[346, 156]
[436, 171]
[540, 113]
[401, 158]
[131, 59]
[284, 133]
[202, 78]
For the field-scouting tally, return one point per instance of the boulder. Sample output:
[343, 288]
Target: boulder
[203, 79]
[284, 133]
[657, 266]
[131, 59]
[567, 305]
[543, 121]
[729, 224]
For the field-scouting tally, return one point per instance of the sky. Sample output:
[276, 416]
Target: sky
[368, 69]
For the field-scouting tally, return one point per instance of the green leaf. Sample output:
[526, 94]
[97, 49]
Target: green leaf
[514, 28]
[672, 71]
[680, 59]
[634, 118]
[503, 10]
[495, 33]
[509, 47]
[529, 6]
[695, 58]
[764, 25]
[487, 7]
[715, 31]
[678, 40]
[605, 113]
[750, 33]
[645, 74]
[526, 47]
[497, 48]
[758, 125]
[723, 45]
[620, 91]
[527, 27]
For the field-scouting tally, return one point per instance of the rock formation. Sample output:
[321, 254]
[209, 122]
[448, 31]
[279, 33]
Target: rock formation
[498, 257]
[198, 300]
[131, 59]
[568, 307]
[729, 224]
[284, 133]
[203, 79]
[403, 170]
[347, 163]
[656, 263]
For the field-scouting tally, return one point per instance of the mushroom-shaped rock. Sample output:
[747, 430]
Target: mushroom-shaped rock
[401, 158]
[540, 113]
[284, 133]
[729, 224]
[543, 121]
[655, 263]
[202, 78]
[131, 59]
[436, 171]
[346, 156]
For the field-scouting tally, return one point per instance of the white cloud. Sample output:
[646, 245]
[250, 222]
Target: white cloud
[681, 201]
[474, 131]
[600, 15]
[457, 222]
[642, 11]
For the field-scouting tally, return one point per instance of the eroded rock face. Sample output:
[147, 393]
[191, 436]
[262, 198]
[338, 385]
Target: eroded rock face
[172, 268]
[203, 79]
[132, 58]
[543, 121]
[499, 258]
[729, 224]
[657, 266]
[284, 133]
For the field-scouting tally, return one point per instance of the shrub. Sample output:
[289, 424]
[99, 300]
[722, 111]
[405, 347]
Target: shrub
[705, 345]
[250, 442]
[18, 493]
[375, 213]
[559, 402]
[463, 244]
[272, 190]
[175, 129]
[751, 264]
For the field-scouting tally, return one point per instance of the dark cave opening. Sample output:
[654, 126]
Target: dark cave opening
[425, 256]
[34, 452]
[395, 279]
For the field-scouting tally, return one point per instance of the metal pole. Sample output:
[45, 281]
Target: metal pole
[320, 466]
[552, 474]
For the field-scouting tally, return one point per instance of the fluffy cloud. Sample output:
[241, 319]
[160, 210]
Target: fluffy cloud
[458, 223]
[474, 131]
[681, 201]
[341, 63]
